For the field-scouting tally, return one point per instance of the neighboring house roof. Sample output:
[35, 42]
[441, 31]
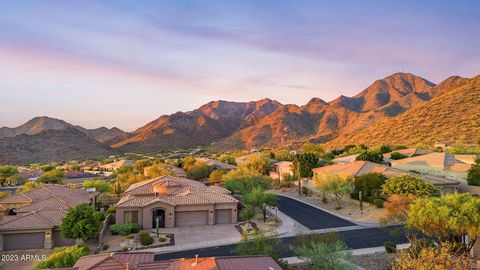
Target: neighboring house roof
[408, 152]
[216, 163]
[116, 165]
[145, 261]
[72, 196]
[175, 191]
[78, 174]
[358, 168]
[461, 163]
[30, 174]
[345, 159]
[283, 164]
[48, 203]
[40, 219]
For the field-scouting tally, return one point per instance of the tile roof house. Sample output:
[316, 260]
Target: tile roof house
[176, 202]
[281, 169]
[145, 261]
[111, 167]
[439, 164]
[217, 164]
[358, 168]
[38, 215]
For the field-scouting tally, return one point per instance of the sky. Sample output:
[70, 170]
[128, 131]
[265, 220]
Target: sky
[125, 63]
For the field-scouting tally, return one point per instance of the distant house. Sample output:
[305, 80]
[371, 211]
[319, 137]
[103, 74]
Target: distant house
[442, 145]
[177, 202]
[409, 152]
[281, 169]
[358, 168]
[30, 175]
[111, 167]
[217, 164]
[179, 172]
[38, 215]
[146, 261]
[439, 164]
[345, 159]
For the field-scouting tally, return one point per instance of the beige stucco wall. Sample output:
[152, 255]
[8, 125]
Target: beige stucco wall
[145, 214]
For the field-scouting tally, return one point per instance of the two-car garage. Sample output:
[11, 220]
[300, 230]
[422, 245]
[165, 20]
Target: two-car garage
[195, 218]
[23, 241]
[191, 218]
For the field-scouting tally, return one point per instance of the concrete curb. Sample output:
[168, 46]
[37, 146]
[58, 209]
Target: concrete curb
[360, 223]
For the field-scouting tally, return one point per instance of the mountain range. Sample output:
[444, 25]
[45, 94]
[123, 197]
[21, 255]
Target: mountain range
[401, 108]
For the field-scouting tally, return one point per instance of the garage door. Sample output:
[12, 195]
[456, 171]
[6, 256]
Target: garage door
[59, 241]
[191, 218]
[223, 216]
[23, 241]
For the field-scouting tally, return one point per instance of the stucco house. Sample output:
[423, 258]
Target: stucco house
[111, 167]
[439, 164]
[35, 216]
[217, 165]
[358, 168]
[177, 202]
[281, 169]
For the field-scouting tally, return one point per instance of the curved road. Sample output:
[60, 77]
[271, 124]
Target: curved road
[312, 218]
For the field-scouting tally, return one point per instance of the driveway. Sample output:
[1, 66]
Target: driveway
[309, 216]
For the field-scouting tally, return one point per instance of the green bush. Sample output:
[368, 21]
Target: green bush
[145, 239]
[105, 247]
[305, 191]
[473, 177]
[63, 257]
[378, 202]
[390, 247]
[372, 156]
[124, 229]
[396, 156]
[368, 183]
[111, 209]
[162, 239]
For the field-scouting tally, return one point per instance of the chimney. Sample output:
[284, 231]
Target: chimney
[194, 264]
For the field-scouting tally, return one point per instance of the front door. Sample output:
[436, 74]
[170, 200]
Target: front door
[160, 213]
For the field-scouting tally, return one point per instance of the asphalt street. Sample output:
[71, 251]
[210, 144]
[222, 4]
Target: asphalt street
[309, 216]
[355, 239]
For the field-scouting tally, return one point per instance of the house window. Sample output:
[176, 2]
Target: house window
[130, 217]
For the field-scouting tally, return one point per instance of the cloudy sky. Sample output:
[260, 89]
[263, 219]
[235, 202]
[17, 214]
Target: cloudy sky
[124, 63]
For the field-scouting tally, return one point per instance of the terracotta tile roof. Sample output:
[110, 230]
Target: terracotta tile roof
[220, 190]
[439, 160]
[72, 196]
[358, 168]
[114, 261]
[181, 191]
[41, 219]
[49, 203]
[145, 261]
[247, 263]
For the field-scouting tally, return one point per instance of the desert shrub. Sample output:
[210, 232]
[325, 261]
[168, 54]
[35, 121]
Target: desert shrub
[146, 239]
[378, 202]
[105, 247]
[305, 191]
[111, 209]
[124, 229]
[409, 185]
[385, 149]
[63, 257]
[396, 156]
[390, 247]
[368, 183]
[199, 171]
[473, 177]
[162, 239]
[372, 156]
